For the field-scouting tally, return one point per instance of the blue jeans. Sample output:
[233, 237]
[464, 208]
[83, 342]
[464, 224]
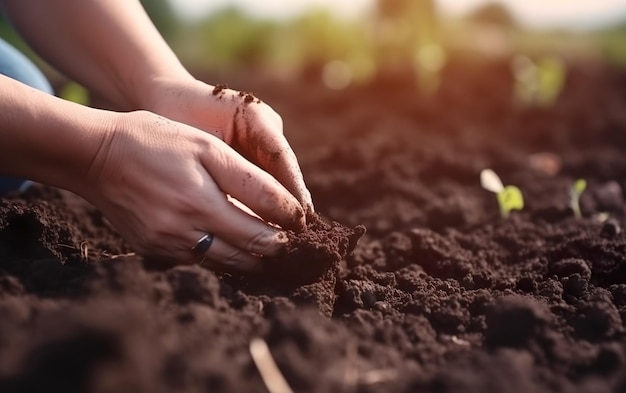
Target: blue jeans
[17, 66]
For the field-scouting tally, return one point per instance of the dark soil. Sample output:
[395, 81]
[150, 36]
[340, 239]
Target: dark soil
[440, 295]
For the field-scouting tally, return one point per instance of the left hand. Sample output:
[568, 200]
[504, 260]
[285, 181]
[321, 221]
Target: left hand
[248, 125]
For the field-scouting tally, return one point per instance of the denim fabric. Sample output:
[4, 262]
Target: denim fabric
[17, 66]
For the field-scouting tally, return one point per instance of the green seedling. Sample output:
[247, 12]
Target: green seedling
[575, 192]
[509, 197]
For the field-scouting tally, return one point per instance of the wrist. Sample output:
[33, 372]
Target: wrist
[195, 103]
[153, 90]
[79, 139]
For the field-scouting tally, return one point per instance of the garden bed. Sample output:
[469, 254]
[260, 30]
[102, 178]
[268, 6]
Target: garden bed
[441, 294]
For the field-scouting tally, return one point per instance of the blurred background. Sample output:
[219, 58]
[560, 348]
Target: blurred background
[350, 42]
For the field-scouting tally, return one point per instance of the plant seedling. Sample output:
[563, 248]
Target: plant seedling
[575, 192]
[509, 197]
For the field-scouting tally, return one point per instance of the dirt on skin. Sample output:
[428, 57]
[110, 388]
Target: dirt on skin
[440, 295]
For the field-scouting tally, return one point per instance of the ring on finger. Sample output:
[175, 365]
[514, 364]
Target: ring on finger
[203, 245]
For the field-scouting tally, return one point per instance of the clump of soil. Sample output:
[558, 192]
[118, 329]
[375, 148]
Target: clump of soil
[249, 97]
[307, 271]
[220, 87]
[309, 254]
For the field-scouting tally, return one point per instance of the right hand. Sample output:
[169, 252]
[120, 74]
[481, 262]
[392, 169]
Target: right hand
[164, 184]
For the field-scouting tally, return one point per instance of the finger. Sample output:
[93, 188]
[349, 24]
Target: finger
[271, 151]
[253, 186]
[283, 165]
[224, 255]
[234, 225]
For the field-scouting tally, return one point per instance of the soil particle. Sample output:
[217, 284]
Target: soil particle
[607, 196]
[611, 228]
[514, 320]
[248, 97]
[575, 285]
[194, 284]
[438, 256]
[598, 319]
[311, 253]
[219, 88]
[570, 266]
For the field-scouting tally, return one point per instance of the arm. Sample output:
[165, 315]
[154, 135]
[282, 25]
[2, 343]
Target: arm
[110, 46]
[47, 139]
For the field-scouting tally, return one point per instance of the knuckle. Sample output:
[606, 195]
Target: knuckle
[269, 200]
[231, 258]
[162, 225]
[259, 243]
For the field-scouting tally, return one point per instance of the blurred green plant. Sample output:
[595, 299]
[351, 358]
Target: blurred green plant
[74, 92]
[538, 83]
[509, 198]
[226, 40]
[163, 17]
[408, 33]
[577, 189]
[8, 34]
[429, 62]
[611, 41]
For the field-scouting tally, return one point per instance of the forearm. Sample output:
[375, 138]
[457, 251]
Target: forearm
[110, 46]
[48, 139]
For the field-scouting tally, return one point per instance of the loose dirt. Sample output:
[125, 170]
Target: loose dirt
[439, 295]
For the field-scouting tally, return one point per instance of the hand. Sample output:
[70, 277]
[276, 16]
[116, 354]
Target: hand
[163, 185]
[252, 128]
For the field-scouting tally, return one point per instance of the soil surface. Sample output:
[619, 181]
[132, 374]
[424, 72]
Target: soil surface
[440, 294]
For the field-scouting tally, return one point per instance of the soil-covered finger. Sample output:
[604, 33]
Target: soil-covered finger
[254, 187]
[272, 152]
[235, 226]
[283, 165]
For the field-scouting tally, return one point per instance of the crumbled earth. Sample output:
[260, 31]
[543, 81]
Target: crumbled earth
[440, 295]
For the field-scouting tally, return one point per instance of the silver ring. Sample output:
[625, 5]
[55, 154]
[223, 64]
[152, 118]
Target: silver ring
[203, 245]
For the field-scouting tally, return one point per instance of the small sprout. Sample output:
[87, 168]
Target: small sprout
[509, 197]
[575, 192]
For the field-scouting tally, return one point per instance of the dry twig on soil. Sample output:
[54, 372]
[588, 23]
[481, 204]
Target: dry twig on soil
[270, 373]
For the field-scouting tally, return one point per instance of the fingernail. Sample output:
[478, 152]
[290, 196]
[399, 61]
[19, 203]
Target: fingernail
[309, 200]
[299, 221]
[295, 218]
[310, 213]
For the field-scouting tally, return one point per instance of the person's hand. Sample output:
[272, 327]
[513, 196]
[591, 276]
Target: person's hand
[250, 126]
[164, 185]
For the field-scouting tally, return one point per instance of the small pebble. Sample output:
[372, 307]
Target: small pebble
[611, 228]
